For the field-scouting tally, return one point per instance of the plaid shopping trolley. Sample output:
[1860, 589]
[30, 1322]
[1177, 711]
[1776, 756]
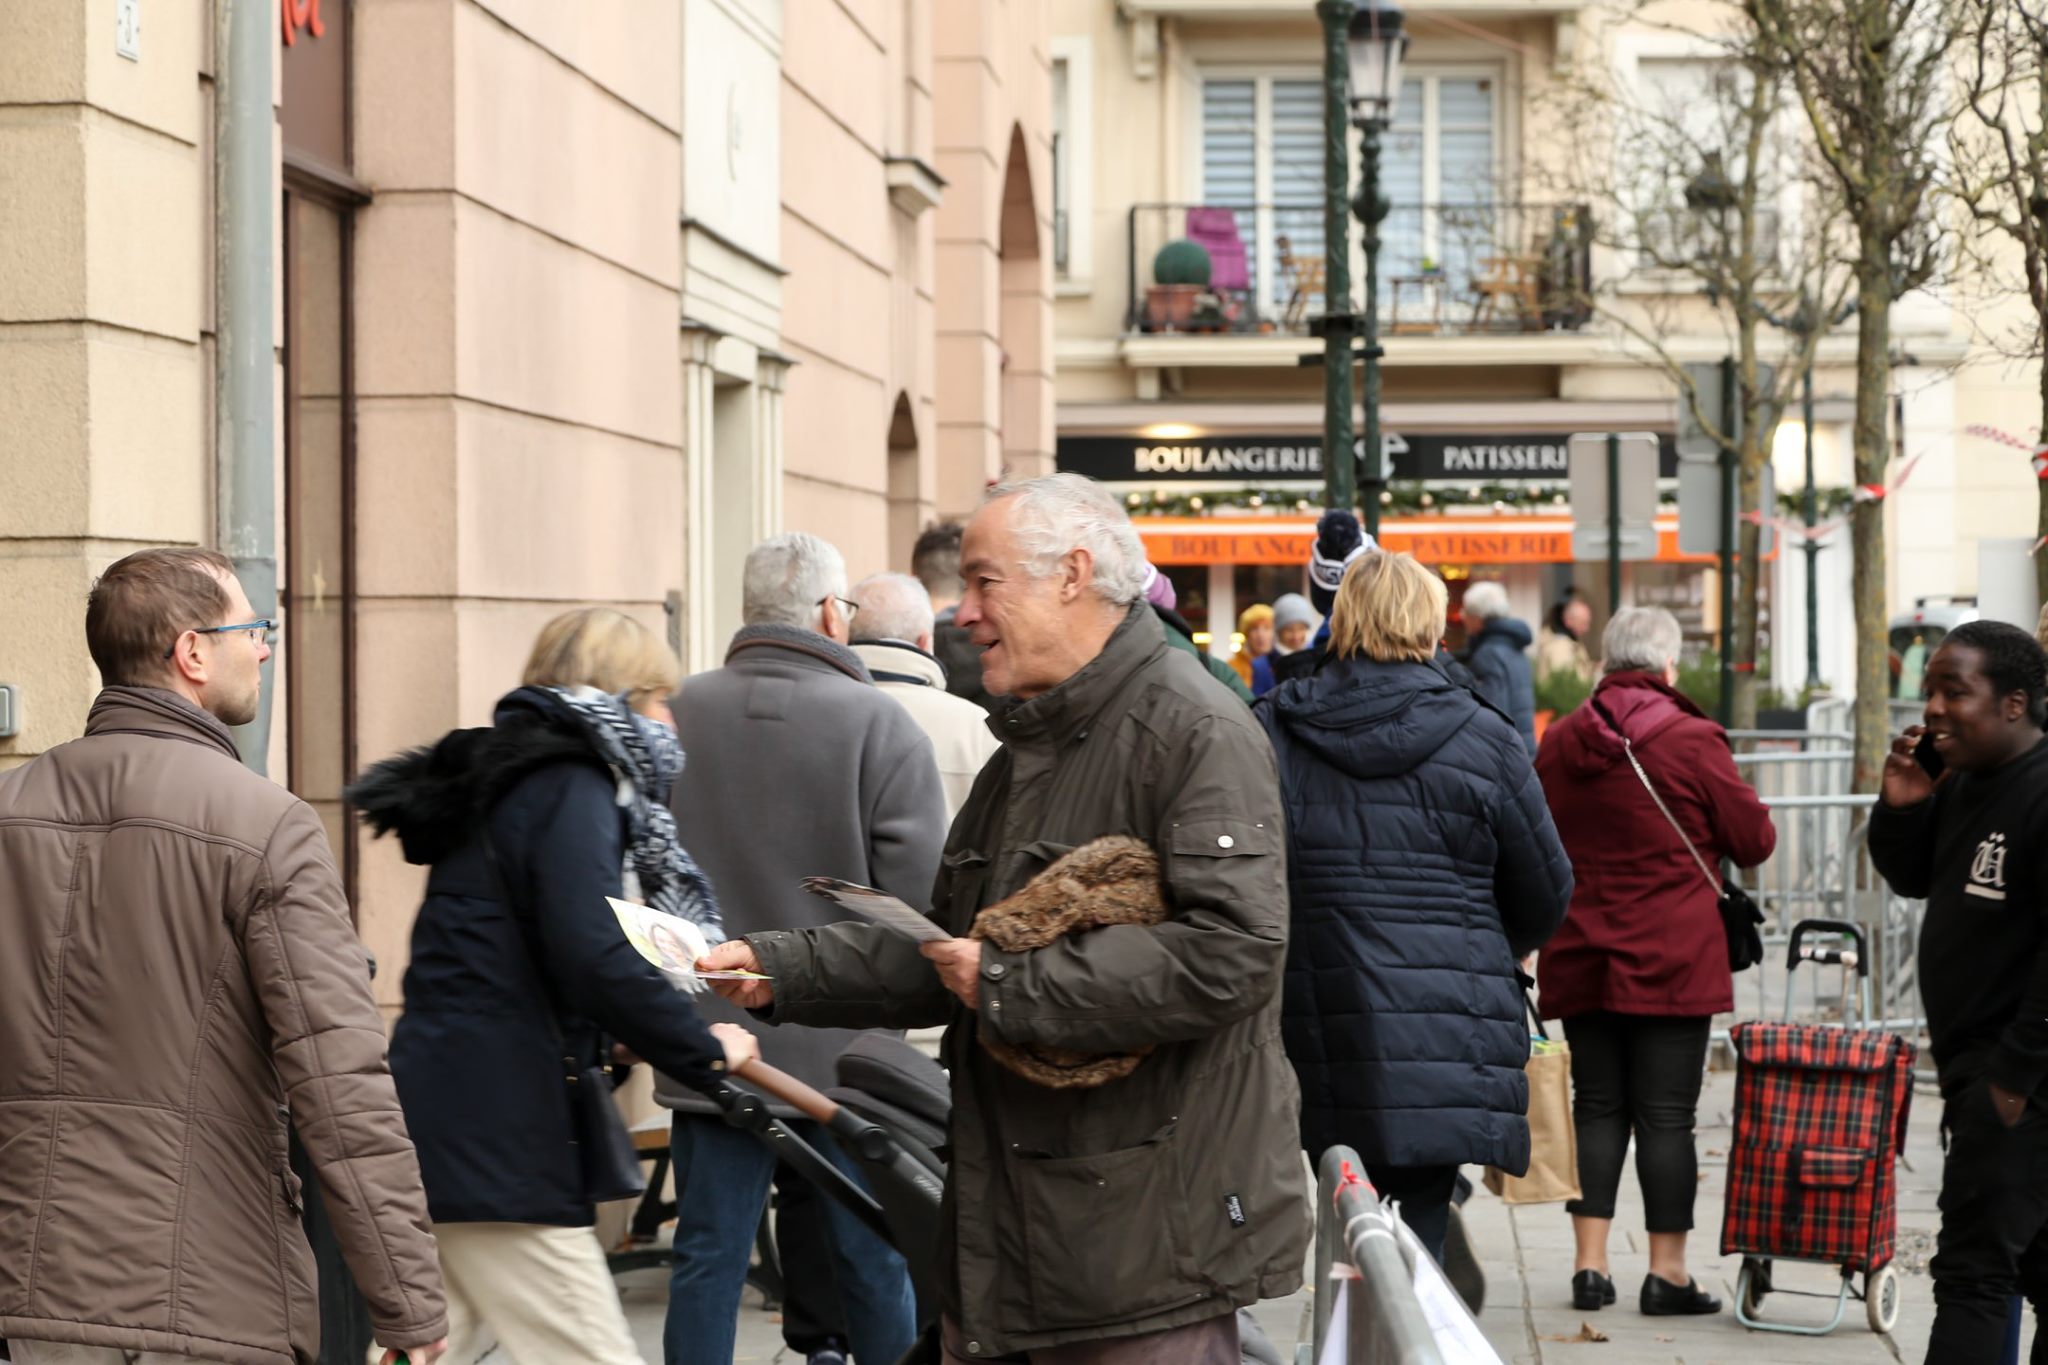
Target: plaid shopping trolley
[1820, 1116]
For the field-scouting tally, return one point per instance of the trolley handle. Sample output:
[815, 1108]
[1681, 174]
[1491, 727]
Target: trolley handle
[1857, 956]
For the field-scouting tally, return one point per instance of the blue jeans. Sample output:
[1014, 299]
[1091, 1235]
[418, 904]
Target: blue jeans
[722, 1177]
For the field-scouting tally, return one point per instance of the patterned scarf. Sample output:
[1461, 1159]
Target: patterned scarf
[648, 759]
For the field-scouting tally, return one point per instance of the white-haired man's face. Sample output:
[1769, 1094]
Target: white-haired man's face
[1034, 633]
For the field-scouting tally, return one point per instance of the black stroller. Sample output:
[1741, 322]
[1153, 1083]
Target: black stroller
[890, 1111]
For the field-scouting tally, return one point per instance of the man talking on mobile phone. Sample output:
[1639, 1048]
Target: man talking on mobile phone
[1963, 822]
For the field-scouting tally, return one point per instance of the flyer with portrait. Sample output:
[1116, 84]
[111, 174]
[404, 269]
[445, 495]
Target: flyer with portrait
[672, 944]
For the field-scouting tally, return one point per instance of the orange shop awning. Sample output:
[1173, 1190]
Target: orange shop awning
[1464, 539]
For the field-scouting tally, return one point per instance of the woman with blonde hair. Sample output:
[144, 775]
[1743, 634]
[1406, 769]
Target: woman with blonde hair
[521, 979]
[1421, 866]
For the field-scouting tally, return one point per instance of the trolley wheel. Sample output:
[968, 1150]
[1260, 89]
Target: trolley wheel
[1752, 1284]
[1881, 1299]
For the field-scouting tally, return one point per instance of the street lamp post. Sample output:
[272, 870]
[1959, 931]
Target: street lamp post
[1378, 44]
[1712, 195]
[1337, 324]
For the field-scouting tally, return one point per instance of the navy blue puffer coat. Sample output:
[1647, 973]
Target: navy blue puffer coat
[1422, 864]
[514, 963]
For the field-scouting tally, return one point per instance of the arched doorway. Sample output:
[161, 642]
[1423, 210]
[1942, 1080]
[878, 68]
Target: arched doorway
[908, 508]
[1025, 323]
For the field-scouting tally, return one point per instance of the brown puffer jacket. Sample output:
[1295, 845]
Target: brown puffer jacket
[176, 964]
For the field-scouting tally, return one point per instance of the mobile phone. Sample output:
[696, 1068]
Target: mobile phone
[1929, 759]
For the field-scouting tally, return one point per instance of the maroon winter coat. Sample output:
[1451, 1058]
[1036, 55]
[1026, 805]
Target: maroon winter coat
[1644, 932]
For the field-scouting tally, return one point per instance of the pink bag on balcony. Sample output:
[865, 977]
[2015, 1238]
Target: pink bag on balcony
[1215, 230]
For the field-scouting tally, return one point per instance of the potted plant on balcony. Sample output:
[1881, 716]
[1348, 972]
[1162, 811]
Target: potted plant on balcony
[1180, 273]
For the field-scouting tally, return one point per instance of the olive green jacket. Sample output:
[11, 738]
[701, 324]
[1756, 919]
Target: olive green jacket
[1177, 1193]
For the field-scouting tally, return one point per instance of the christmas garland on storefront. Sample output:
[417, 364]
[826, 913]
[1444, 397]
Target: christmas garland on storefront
[1410, 497]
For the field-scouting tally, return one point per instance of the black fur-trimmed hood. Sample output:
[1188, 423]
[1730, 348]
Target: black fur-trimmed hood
[433, 797]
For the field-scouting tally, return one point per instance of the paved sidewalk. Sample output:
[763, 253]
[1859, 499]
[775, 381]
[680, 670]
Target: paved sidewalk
[1527, 1253]
[1528, 1257]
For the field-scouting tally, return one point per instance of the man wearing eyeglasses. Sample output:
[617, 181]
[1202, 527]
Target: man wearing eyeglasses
[179, 981]
[798, 766]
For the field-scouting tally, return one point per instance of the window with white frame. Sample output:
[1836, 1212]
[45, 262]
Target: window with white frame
[1438, 170]
[1072, 161]
[1262, 160]
[1062, 173]
[1688, 110]
[1261, 214]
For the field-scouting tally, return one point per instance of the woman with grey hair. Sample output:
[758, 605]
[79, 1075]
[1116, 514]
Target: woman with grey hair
[1641, 965]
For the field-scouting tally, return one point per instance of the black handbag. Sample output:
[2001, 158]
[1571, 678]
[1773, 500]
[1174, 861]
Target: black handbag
[1741, 920]
[606, 1158]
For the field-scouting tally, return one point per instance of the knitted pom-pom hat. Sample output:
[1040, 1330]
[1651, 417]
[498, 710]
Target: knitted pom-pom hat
[1339, 541]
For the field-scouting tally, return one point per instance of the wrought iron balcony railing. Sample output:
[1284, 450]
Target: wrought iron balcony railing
[1480, 267]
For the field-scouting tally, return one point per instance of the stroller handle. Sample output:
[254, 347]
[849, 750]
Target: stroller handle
[780, 1085]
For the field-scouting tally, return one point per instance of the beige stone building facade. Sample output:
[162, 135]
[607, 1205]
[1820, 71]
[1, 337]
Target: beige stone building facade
[573, 304]
[1202, 120]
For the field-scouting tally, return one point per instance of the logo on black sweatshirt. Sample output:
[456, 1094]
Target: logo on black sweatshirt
[1987, 870]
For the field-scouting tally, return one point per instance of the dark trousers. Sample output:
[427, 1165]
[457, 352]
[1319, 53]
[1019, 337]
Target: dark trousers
[1424, 1196]
[812, 1316]
[722, 1178]
[1640, 1074]
[1994, 1228]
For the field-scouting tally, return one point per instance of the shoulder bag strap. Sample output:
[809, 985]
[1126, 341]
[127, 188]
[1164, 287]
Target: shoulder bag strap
[1630, 750]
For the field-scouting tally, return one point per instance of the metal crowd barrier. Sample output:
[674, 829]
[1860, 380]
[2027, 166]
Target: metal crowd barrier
[1821, 869]
[1365, 1257]
[1839, 713]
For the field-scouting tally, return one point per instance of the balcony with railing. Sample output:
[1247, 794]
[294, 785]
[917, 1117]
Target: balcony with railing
[1480, 268]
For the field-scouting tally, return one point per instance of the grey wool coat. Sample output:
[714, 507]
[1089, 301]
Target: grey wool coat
[1176, 1193]
[799, 766]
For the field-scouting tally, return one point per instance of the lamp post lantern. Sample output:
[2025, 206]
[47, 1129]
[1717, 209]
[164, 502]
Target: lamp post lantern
[1378, 43]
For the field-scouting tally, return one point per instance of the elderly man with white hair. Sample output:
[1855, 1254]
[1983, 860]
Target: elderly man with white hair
[1125, 1153]
[797, 766]
[893, 636]
[1497, 652]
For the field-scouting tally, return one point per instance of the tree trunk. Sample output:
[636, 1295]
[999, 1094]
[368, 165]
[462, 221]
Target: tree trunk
[1866, 517]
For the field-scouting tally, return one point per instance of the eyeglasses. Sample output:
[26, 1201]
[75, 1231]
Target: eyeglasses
[263, 628]
[847, 606]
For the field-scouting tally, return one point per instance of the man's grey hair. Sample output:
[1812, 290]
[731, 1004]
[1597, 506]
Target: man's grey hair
[1486, 600]
[787, 576]
[1640, 640]
[893, 606]
[1063, 512]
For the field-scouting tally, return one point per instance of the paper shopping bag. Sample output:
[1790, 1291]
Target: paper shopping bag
[1553, 1141]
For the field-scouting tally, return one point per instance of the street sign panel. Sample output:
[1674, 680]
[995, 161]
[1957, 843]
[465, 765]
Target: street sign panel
[1699, 508]
[1586, 455]
[1704, 378]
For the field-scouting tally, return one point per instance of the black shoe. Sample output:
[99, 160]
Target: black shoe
[1663, 1299]
[1591, 1291]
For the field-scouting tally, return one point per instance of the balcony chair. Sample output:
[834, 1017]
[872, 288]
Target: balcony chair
[1511, 280]
[1302, 276]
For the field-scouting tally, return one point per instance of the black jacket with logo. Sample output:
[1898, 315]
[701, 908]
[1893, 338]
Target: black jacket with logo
[1977, 850]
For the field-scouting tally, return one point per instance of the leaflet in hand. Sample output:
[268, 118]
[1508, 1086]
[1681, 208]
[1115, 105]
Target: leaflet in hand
[672, 944]
[877, 907]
